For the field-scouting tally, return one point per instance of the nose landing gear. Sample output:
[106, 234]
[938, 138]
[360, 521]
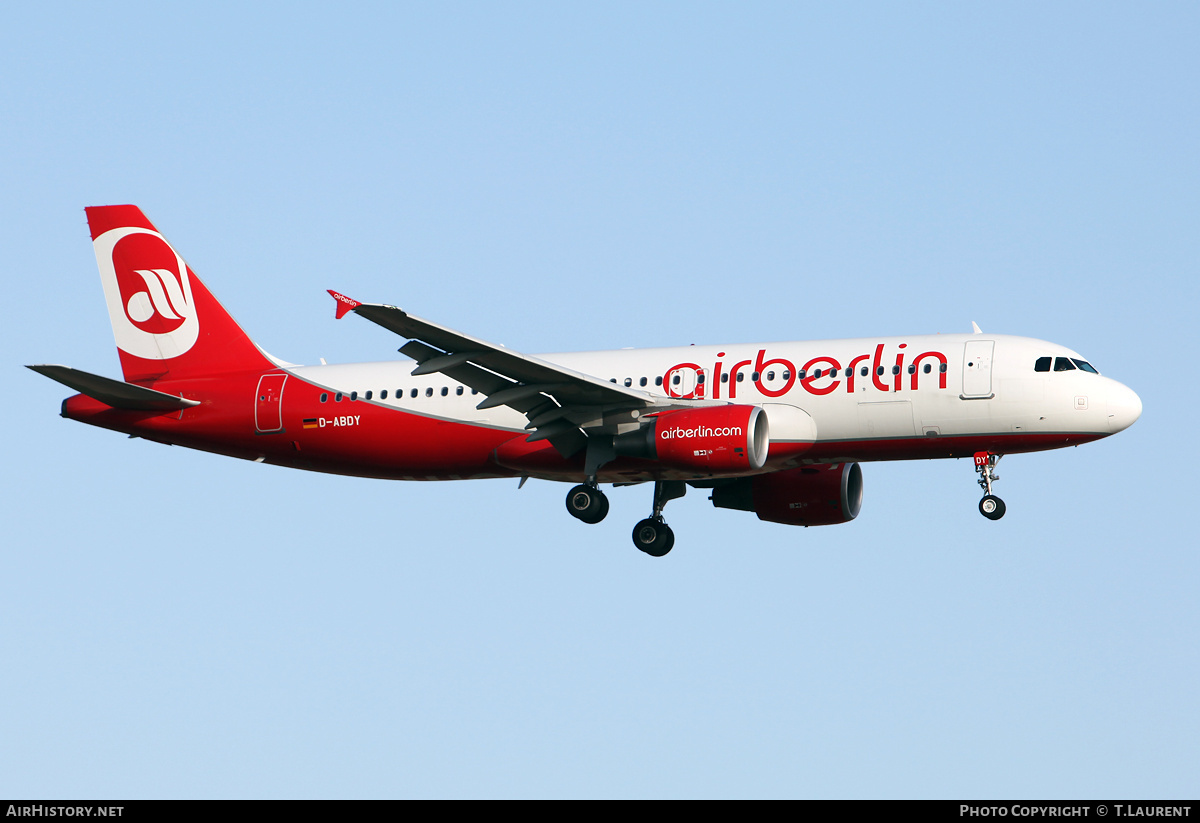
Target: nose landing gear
[990, 506]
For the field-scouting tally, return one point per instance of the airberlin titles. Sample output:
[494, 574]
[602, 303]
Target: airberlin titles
[701, 431]
[820, 375]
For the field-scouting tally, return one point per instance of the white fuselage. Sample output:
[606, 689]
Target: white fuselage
[869, 390]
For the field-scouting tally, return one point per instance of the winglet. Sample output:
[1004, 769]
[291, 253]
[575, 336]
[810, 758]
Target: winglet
[344, 304]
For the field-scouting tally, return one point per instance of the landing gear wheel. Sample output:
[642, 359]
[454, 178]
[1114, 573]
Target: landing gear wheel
[653, 536]
[991, 507]
[587, 503]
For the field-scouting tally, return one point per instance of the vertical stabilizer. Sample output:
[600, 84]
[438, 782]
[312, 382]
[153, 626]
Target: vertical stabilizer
[166, 323]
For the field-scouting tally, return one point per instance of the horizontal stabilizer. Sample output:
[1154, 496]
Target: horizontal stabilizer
[115, 393]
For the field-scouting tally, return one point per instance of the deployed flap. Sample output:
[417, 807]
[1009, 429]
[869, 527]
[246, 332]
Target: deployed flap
[115, 393]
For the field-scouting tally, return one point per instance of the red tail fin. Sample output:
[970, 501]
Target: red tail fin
[166, 323]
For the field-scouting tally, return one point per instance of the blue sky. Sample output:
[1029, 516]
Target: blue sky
[560, 177]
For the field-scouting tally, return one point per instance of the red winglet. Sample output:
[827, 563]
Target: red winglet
[344, 304]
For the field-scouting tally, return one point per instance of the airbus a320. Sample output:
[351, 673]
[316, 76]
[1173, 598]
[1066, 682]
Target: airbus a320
[777, 429]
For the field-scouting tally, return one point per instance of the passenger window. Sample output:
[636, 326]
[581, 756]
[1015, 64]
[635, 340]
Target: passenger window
[942, 368]
[879, 370]
[414, 392]
[445, 391]
[1042, 364]
[383, 395]
[642, 381]
[912, 369]
[800, 375]
[928, 368]
[474, 391]
[324, 397]
[865, 371]
[895, 369]
[1084, 365]
[459, 391]
[429, 392]
[741, 377]
[725, 377]
[658, 381]
[628, 382]
[368, 397]
[770, 375]
[612, 380]
[1063, 364]
[787, 375]
[675, 380]
[754, 377]
[700, 378]
[353, 396]
[816, 373]
[337, 398]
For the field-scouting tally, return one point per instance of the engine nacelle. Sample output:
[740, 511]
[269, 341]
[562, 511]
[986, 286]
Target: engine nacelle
[713, 440]
[819, 495]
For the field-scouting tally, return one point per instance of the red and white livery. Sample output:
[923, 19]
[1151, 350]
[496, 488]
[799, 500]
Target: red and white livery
[778, 429]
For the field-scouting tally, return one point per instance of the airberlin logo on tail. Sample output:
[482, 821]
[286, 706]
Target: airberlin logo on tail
[163, 297]
[148, 293]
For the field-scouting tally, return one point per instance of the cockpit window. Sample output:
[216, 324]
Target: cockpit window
[1084, 365]
[1063, 364]
[1042, 364]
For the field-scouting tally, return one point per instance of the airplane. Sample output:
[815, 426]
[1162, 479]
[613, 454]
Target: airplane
[777, 429]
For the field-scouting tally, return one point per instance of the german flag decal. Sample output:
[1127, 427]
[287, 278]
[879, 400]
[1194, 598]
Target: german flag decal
[310, 422]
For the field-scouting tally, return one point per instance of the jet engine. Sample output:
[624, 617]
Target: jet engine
[711, 440]
[818, 495]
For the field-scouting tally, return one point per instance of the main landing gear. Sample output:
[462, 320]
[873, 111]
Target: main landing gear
[990, 506]
[653, 536]
[587, 503]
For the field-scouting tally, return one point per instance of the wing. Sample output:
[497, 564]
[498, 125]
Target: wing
[561, 405]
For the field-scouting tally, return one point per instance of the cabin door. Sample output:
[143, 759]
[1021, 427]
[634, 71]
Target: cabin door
[268, 403]
[977, 369]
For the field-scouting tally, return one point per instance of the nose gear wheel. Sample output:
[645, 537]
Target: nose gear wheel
[990, 506]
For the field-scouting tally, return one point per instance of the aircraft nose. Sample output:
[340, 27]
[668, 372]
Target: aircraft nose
[1124, 408]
